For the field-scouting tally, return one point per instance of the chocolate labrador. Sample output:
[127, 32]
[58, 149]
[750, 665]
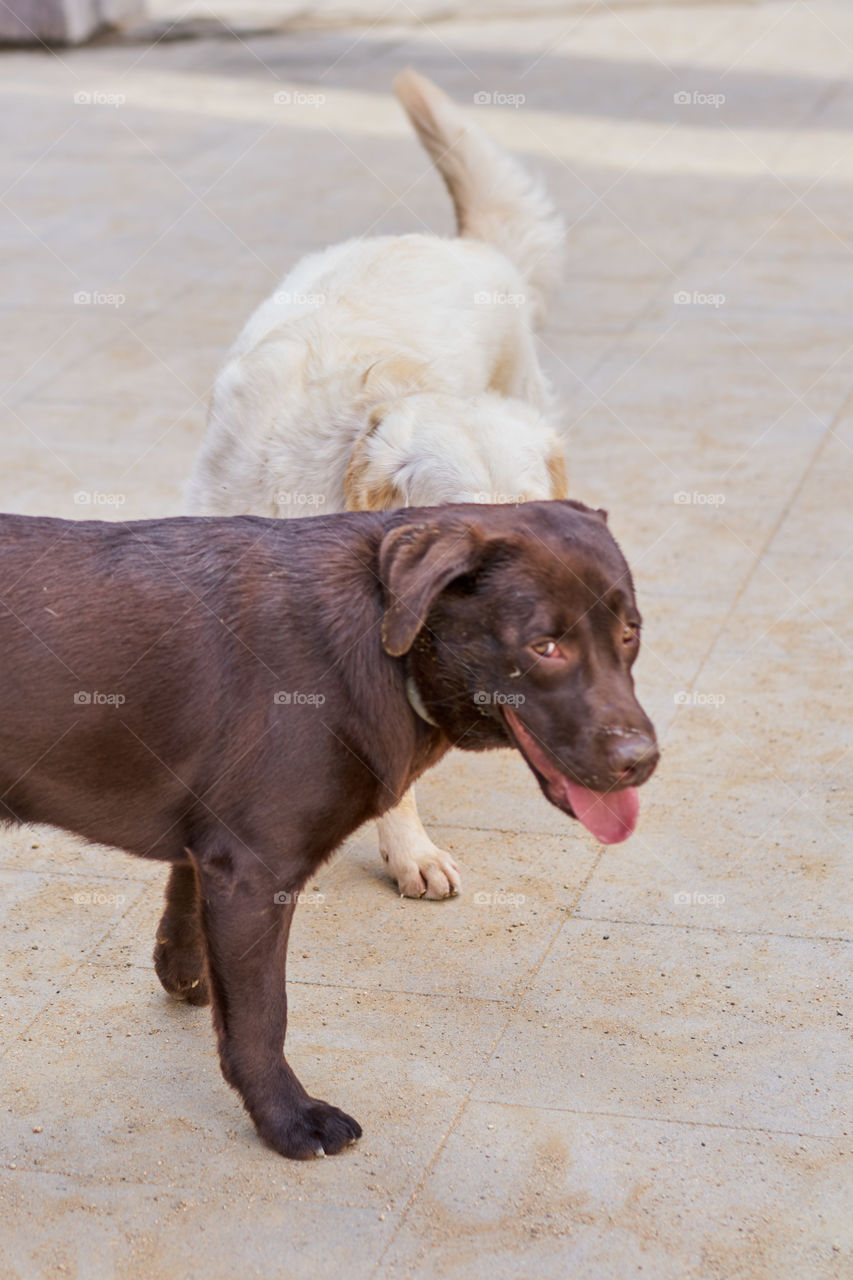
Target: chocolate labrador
[236, 696]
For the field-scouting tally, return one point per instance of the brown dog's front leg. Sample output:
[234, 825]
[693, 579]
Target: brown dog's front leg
[179, 953]
[246, 925]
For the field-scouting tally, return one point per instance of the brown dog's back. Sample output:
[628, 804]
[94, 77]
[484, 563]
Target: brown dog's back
[142, 664]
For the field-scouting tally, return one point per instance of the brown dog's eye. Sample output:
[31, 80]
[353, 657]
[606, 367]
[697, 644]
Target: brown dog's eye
[546, 649]
[630, 633]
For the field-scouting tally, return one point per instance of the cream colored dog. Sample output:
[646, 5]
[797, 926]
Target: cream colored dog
[400, 371]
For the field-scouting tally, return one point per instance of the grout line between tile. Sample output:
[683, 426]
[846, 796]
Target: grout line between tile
[708, 928]
[645, 1119]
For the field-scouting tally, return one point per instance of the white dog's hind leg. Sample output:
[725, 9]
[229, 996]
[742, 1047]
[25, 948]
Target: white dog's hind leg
[420, 868]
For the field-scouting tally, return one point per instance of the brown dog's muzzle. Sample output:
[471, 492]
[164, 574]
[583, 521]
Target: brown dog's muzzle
[631, 755]
[601, 793]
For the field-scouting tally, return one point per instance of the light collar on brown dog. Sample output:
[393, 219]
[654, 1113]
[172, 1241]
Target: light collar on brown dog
[416, 702]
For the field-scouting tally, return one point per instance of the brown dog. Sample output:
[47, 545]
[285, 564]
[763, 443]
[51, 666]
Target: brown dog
[235, 696]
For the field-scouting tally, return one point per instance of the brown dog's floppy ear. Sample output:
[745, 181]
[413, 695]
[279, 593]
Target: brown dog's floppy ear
[416, 562]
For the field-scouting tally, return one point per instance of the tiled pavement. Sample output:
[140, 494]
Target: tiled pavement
[632, 1061]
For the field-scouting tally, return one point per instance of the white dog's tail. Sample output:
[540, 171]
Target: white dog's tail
[495, 198]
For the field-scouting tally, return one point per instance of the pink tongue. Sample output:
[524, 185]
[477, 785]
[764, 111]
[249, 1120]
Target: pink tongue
[610, 816]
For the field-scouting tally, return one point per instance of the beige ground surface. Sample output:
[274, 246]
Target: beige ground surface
[628, 1062]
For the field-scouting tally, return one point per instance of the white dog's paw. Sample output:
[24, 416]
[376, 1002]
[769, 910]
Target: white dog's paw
[427, 872]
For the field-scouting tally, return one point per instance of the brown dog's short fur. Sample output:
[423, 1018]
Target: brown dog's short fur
[235, 696]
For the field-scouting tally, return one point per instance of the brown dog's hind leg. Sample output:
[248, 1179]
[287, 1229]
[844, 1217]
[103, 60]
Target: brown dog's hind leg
[179, 953]
[246, 919]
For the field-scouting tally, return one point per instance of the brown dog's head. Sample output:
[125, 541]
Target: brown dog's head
[521, 629]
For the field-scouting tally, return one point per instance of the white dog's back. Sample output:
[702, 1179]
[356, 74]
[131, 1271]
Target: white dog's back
[366, 323]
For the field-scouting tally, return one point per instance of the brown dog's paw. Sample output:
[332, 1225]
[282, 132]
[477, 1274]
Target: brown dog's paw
[312, 1128]
[181, 972]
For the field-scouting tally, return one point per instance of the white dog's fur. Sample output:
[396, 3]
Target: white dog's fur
[399, 371]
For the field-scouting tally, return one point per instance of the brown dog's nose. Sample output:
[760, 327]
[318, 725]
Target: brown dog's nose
[632, 756]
